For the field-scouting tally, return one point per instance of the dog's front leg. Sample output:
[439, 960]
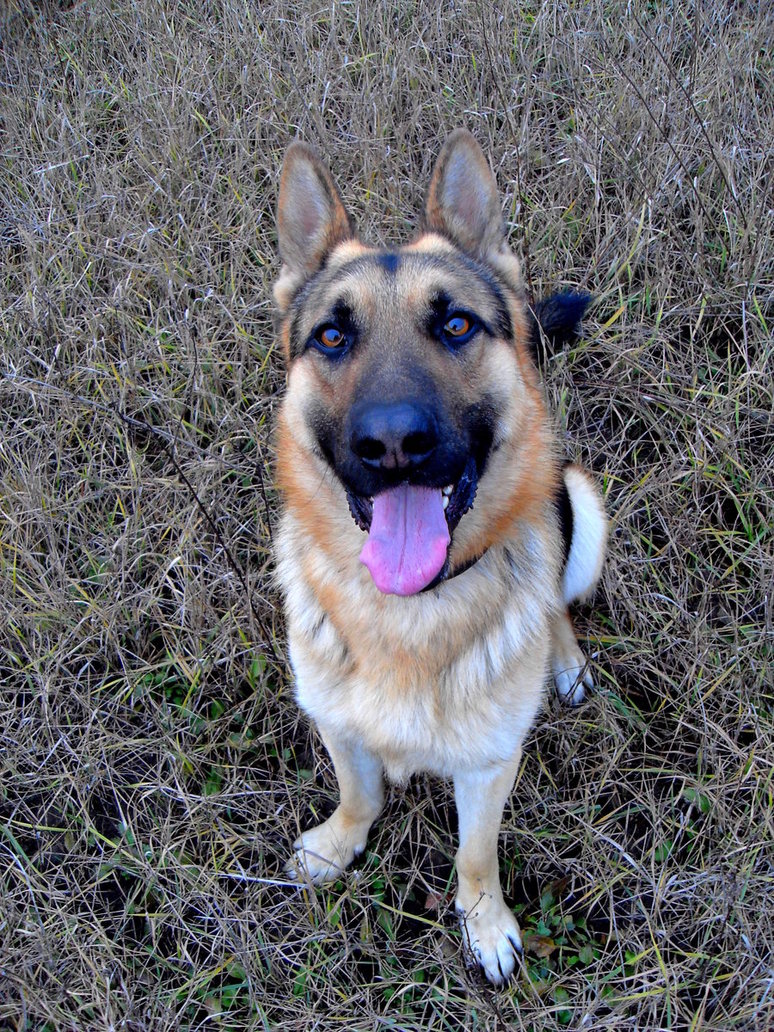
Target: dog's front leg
[488, 926]
[323, 852]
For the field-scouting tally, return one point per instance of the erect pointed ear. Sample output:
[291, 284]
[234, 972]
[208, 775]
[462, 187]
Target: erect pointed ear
[462, 202]
[311, 218]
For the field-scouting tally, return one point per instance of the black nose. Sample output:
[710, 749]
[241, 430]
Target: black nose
[392, 435]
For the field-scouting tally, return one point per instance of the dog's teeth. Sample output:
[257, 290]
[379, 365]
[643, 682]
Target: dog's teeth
[445, 502]
[448, 490]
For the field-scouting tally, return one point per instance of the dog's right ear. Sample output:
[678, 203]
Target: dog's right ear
[311, 218]
[463, 202]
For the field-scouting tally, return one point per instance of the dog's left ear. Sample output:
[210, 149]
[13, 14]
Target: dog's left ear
[311, 218]
[463, 202]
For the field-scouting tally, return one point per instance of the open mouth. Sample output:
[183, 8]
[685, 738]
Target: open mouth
[410, 529]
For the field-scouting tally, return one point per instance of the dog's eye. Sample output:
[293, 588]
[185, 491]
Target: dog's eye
[458, 326]
[458, 329]
[331, 337]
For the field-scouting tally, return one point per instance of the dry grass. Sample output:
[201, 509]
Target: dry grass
[154, 769]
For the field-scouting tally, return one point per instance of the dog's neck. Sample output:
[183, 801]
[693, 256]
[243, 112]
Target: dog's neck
[448, 574]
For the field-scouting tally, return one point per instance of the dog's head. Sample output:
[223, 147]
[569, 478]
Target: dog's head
[408, 368]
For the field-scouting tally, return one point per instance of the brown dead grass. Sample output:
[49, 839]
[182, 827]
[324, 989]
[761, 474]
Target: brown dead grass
[154, 769]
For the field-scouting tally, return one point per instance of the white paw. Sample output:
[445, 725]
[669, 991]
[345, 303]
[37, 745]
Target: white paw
[324, 852]
[571, 676]
[494, 940]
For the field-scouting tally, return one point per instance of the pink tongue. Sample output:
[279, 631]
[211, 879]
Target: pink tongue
[408, 540]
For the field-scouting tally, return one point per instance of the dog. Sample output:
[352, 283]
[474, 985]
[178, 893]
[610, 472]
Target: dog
[431, 540]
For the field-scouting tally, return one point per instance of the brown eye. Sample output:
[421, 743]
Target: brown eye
[331, 337]
[458, 326]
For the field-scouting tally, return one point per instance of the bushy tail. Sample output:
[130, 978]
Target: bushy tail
[586, 527]
[556, 319]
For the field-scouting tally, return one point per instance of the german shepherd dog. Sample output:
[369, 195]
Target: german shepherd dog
[421, 550]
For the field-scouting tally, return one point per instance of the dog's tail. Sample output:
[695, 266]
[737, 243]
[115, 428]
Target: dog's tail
[556, 319]
[584, 528]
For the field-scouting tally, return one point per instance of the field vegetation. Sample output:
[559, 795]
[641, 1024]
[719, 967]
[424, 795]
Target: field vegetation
[154, 767]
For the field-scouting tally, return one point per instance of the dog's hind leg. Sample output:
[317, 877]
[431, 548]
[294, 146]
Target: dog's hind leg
[489, 928]
[568, 664]
[587, 538]
[323, 852]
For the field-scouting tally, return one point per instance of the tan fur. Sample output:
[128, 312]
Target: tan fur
[449, 680]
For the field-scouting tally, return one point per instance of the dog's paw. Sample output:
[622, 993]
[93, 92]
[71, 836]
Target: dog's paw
[493, 939]
[323, 853]
[571, 675]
